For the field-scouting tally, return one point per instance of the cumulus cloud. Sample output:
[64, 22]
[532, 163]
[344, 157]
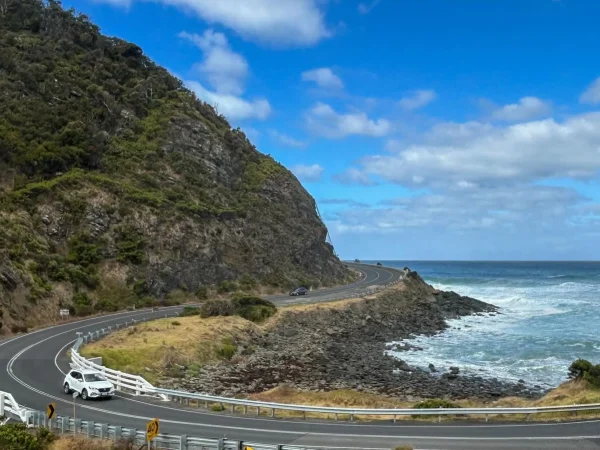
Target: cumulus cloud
[224, 69]
[417, 99]
[284, 139]
[230, 106]
[354, 176]
[527, 108]
[278, 23]
[226, 72]
[592, 93]
[305, 172]
[478, 208]
[324, 78]
[481, 154]
[324, 121]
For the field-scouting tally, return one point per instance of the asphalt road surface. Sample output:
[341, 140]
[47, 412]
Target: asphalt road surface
[32, 369]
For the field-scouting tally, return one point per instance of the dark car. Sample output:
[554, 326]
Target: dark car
[379, 264]
[299, 291]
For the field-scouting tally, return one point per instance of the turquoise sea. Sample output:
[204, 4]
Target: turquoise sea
[550, 316]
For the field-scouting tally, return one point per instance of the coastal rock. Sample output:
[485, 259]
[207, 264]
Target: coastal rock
[315, 357]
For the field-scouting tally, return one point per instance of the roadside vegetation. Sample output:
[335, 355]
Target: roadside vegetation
[19, 437]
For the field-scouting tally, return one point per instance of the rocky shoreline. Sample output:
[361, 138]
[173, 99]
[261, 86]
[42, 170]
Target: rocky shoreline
[325, 349]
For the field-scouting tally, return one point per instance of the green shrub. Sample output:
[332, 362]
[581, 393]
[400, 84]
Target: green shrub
[227, 286]
[202, 293]
[247, 283]
[253, 308]
[18, 437]
[217, 407]
[226, 351]
[176, 323]
[82, 252]
[190, 311]
[433, 403]
[579, 368]
[593, 376]
[216, 307]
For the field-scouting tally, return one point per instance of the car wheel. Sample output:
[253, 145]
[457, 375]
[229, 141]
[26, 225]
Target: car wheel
[84, 394]
[66, 388]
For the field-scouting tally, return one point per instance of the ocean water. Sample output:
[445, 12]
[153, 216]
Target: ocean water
[550, 317]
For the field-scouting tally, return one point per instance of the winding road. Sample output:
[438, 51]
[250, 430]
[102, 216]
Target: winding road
[33, 366]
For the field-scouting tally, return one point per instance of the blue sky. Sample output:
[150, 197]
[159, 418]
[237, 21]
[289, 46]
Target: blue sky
[427, 129]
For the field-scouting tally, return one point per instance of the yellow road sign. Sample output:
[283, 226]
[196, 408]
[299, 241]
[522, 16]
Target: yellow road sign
[51, 410]
[152, 429]
[247, 447]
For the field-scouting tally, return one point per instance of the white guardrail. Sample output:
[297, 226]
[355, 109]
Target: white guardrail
[139, 386]
[66, 425]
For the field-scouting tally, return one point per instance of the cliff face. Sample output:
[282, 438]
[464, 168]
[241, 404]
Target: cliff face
[118, 186]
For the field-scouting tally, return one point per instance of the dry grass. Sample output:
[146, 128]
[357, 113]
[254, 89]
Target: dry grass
[80, 443]
[570, 393]
[148, 348]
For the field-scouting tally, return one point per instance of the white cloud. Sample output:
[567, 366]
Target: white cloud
[308, 172]
[510, 208]
[323, 120]
[324, 78]
[286, 140]
[417, 99]
[230, 106]
[365, 8]
[480, 154]
[225, 70]
[527, 108]
[278, 23]
[354, 176]
[592, 93]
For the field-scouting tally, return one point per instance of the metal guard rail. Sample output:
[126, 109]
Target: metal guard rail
[138, 385]
[67, 425]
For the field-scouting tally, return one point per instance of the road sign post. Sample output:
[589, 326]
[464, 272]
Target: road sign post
[152, 430]
[75, 394]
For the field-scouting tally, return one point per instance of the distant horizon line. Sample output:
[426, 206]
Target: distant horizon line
[479, 260]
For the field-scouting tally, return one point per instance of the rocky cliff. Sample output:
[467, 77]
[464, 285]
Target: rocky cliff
[118, 186]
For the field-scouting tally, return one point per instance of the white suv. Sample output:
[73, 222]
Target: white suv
[88, 383]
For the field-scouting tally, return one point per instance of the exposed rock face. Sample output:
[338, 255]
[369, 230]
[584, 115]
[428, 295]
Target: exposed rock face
[119, 186]
[326, 349]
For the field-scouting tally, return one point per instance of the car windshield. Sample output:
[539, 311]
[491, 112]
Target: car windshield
[92, 377]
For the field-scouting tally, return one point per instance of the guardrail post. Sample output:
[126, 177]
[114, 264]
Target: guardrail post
[65, 426]
[118, 433]
[104, 431]
[220, 444]
[90, 428]
[528, 417]
[486, 417]
[272, 412]
[245, 409]
[183, 442]
[133, 434]
[351, 417]
[1, 405]
[77, 426]
[335, 416]
[258, 410]
[394, 418]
